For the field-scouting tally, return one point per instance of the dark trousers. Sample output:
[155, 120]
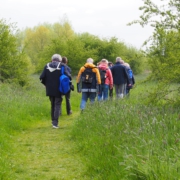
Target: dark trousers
[110, 93]
[55, 109]
[68, 104]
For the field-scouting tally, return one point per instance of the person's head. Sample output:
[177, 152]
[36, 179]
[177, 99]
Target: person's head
[121, 61]
[90, 60]
[127, 65]
[118, 59]
[110, 64]
[105, 61]
[56, 57]
[64, 60]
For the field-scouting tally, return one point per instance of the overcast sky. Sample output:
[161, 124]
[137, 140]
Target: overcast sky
[104, 18]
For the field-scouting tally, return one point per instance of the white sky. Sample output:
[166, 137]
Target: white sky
[104, 18]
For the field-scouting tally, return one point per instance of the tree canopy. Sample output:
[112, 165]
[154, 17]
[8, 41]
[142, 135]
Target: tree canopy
[27, 51]
[163, 48]
[14, 65]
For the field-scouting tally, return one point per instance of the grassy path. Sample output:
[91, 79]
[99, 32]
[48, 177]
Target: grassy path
[45, 153]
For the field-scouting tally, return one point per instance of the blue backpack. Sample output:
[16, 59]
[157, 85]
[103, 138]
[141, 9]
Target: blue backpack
[64, 86]
[130, 73]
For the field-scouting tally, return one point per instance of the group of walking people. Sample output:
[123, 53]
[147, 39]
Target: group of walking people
[92, 81]
[118, 76]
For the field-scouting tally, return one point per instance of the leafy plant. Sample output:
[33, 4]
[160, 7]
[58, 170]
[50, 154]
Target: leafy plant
[163, 48]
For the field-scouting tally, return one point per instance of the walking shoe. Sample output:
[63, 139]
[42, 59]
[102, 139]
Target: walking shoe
[70, 112]
[55, 127]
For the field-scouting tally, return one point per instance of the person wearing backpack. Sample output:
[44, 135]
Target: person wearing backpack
[88, 82]
[67, 96]
[106, 80]
[131, 78]
[50, 79]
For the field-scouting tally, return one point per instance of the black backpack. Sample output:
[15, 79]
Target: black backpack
[87, 75]
[103, 75]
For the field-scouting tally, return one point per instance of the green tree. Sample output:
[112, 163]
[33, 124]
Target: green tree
[112, 48]
[163, 48]
[35, 41]
[14, 66]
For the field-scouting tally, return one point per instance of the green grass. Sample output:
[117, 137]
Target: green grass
[126, 139]
[120, 139]
[29, 147]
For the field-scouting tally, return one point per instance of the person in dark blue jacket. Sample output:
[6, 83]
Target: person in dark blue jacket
[50, 78]
[120, 77]
[131, 78]
[67, 96]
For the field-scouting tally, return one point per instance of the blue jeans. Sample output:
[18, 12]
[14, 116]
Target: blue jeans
[85, 96]
[103, 95]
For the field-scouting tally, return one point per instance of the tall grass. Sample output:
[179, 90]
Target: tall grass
[125, 139]
[119, 139]
[19, 109]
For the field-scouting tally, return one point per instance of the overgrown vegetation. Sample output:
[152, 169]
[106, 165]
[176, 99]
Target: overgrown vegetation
[29, 147]
[126, 139]
[163, 48]
[14, 65]
[123, 139]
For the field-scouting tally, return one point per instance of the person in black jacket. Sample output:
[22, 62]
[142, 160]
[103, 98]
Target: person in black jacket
[50, 78]
[120, 77]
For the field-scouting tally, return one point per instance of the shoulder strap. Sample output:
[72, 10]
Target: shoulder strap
[62, 69]
[90, 68]
[58, 66]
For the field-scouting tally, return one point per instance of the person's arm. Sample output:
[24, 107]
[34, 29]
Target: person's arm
[133, 79]
[98, 78]
[78, 79]
[66, 72]
[43, 76]
[110, 79]
[127, 77]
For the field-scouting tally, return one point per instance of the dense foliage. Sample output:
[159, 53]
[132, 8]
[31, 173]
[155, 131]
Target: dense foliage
[27, 51]
[14, 65]
[125, 139]
[163, 48]
[42, 41]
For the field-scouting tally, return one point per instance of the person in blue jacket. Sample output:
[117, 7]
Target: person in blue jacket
[68, 95]
[131, 78]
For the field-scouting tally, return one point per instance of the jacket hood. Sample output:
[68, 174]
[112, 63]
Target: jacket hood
[103, 66]
[52, 66]
[89, 65]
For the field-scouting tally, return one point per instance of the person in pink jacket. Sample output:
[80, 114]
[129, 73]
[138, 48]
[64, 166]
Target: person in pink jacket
[106, 80]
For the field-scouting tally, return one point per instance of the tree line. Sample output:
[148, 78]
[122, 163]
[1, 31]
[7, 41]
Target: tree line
[25, 52]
